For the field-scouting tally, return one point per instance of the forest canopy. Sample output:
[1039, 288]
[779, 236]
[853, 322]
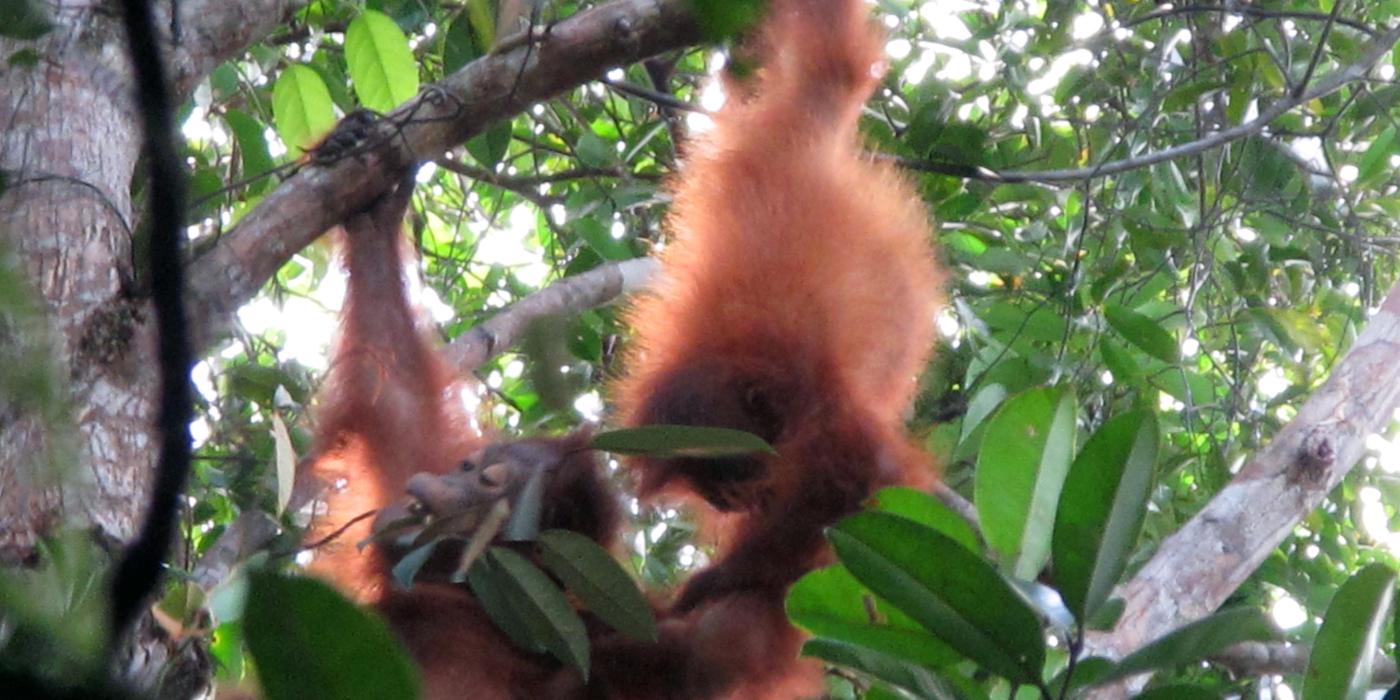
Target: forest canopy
[1163, 393]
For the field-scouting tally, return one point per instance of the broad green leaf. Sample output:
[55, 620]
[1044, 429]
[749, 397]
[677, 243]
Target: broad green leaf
[539, 603]
[1340, 665]
[982, 404]
[1021, 468]
[1196, 641]
[489, 587]
[459, 45]
[912, 678]
[925, 509]
[598, 581]
[680, 441]
[301, 107]
[380, 62]
[946, 588]
[1143, 332]
[831, 603]
[1118, 361]
[1101, 510]
[594, 151]
[1375, 162]
[600, 238]
[286, 623]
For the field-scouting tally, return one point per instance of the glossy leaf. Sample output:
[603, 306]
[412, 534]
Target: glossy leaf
[1143, 332]
[831, 603]
[539, 603]
[925, 509]
[946, 588]
[598, 581]
[286, 622]
[1340, 665]
[380, 63]
[301, 107]
[1025, 457]
[1102, 508]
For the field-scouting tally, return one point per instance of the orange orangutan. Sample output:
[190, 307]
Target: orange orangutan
[796, 302]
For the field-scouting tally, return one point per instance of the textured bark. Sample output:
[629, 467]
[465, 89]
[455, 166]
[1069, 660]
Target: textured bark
[1200, 565]
[68, 146]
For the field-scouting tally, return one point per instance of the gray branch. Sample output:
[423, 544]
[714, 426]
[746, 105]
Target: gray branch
[1197, 567]
[494, 87]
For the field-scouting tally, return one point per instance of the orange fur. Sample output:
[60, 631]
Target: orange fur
[797, 303]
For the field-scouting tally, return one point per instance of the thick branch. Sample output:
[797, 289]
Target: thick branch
[570, 295]
[213, 31]
[1197, 567]
[576, 50]
[1258, 659]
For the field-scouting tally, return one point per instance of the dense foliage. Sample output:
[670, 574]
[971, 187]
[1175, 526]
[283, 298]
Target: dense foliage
[1152, 267]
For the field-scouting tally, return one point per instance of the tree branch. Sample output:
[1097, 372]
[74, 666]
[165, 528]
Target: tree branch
[576, 50]
[213, 31]
[1197, 567]
[569, 295]
[1257, 659]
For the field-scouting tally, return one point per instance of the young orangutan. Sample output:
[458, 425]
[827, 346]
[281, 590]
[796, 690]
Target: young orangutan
[797, 303]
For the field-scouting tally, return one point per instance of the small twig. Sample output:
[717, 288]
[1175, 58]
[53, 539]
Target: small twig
[1317, 50]
[659, 98]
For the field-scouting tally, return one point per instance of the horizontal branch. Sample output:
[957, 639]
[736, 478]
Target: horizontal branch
[496, 86]
[1257, 659]
[570, 295]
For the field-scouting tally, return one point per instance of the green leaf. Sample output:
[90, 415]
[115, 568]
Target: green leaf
[24, 19]
[252, 149]
[594, 151]
[489, 587]
[1196, 641]
[286, 623]
[1375, 162]
[1025, 457]
[490, 146]
[598, 581]
[1340, 665]
[947, 589]
[925, 509]
[831, 603]
[540, 604]
[721, 19]
[599, 238]
[380, 62]
[1102, 508]
[459, 45]
[680, 441]
[915, 679]
[1143, 332]
[301, 107]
